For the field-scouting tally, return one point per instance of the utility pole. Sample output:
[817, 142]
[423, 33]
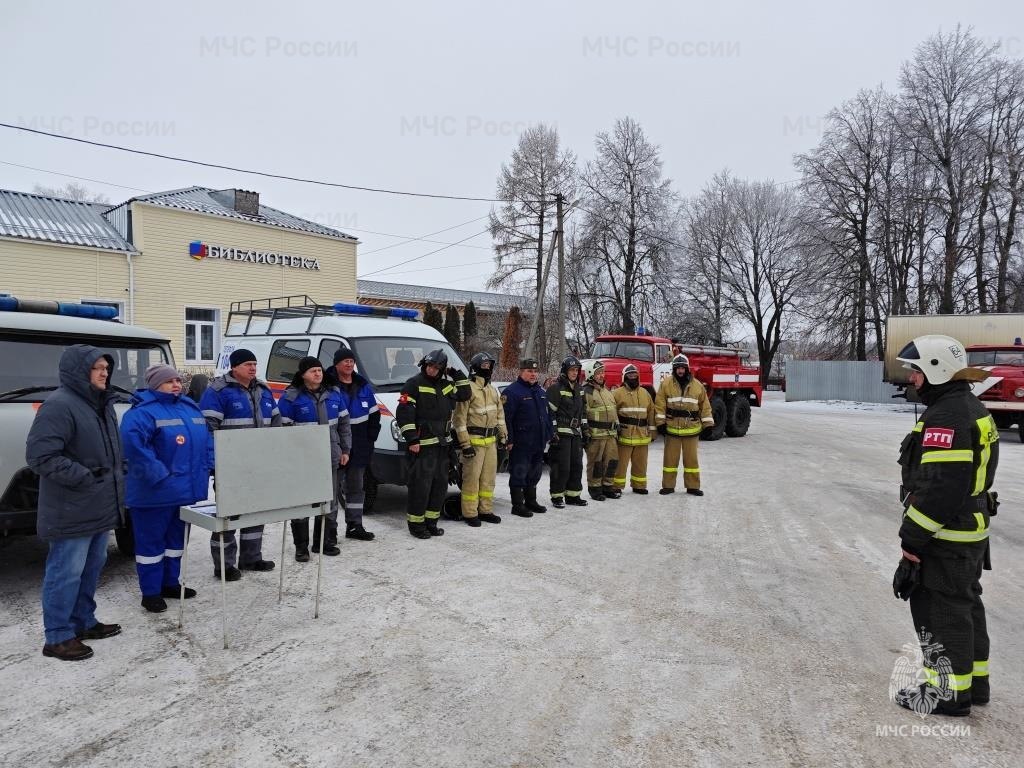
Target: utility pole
[560, 223]
[537, 310]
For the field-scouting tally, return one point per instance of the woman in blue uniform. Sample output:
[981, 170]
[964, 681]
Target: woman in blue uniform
[167, 449]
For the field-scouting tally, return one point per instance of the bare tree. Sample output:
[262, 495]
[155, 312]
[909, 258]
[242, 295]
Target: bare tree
[770, 267]
[630, 219]
[72, 191]
[523, 225]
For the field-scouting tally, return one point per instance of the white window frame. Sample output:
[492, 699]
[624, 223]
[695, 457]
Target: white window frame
[92, 300]
[212, 362]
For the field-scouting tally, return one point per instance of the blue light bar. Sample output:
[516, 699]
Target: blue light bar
[95, 311]
[406, 314]
[352, 309]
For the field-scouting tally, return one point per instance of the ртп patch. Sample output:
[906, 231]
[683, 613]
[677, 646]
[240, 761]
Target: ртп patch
[937, 437]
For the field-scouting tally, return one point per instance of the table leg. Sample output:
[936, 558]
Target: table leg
[223, 594]
[184, 567]
[280, 576]
[320, 560]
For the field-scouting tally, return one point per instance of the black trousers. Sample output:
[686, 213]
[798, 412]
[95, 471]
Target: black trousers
[428, 483]
[525, 464]
[300, 526]
[566, 466]
[950, 619]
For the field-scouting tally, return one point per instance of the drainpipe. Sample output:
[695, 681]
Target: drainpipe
[131, 289]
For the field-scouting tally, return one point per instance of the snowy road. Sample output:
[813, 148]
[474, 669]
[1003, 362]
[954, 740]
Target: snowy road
[753, 626]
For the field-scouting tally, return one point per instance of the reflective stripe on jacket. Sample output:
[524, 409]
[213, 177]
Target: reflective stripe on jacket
[685, 411]
[483, 411]
[634, 405]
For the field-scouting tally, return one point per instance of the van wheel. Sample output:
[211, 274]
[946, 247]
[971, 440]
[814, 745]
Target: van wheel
[738, 416]
[369, 491]
[125, 538]
[453, 506]
[718, 411]
[1020, 429]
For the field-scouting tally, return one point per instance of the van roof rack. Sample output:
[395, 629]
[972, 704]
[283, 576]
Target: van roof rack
[302, 306]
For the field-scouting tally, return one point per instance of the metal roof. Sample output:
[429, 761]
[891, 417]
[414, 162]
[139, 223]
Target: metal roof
[204, 200]
[482, 300]
[56, 220]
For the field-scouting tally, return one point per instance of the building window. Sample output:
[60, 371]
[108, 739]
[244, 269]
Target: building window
[284, 359]
[118, 305]
[200, 335]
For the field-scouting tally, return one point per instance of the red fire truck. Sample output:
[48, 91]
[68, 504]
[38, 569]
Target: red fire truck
[732, 384]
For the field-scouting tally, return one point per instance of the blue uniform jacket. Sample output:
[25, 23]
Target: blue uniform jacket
[168, 450]
[328, 406]
[526, 413]
[364, 415]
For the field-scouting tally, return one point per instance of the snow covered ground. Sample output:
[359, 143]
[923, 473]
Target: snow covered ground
[753, 626]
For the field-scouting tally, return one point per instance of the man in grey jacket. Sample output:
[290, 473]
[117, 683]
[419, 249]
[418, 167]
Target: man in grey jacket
[74, 446]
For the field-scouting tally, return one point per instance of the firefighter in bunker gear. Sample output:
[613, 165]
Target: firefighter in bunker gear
[635, 408]
[682, 410]
[603, 427]
[568, 418]
[528, 421]
[238, 400]
[948, 463]
[480, 427]
[424, 416]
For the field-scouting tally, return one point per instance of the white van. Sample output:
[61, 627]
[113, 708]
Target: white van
[388, 342]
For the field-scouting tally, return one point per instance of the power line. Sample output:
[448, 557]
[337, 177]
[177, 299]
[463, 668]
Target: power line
[429, 234]
[417, 258]
[446, 266]
[70, 176]
[264, 174]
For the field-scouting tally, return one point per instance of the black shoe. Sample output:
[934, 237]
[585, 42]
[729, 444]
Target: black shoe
[154, 603]
[558, 502]
[70, 650]
[695, 491]
[641, 491]
[174, 593]
[100, 631]
[230, 573]
[358, 532]
[433, 530]
[521, 512]
[576, 501]
[666, 491]
[331, 550]
[924, 700]
[596, 494]
[472, 522]
[301, 555]
[531, 502]
[259, 565]
[489, 518]
[419, 530]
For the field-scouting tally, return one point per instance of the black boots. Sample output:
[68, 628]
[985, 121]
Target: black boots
[558, 502]
[487, 517]
[611, 493]
[667, 491]
[641, 491]
[596, 493]
[154, 603]
[419, 530]
[519, 502]
[695, 491]
[230, 573]
[356, 531]
[174, 593]
[575, 501]
[531, 501]
[472, 522]
[432, 528]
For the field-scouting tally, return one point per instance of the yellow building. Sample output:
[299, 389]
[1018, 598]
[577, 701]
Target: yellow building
[170, 261]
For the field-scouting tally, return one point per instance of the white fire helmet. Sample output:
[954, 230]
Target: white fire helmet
[937, 357]
[591, 367]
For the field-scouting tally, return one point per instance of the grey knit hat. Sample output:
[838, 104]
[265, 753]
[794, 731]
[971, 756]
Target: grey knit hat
[159, 374]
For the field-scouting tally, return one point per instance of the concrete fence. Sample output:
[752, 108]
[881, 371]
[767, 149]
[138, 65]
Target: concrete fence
[860, 381]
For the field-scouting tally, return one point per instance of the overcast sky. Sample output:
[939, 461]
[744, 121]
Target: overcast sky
[430, 97]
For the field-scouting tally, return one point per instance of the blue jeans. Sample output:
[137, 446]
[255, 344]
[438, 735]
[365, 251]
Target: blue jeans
[69, 587]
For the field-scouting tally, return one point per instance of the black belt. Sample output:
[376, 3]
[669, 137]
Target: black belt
[482, 431]
[676, 413]
[572, 423]
[632, 422]
[601, 424]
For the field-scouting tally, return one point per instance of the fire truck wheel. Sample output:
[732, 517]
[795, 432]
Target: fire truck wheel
[737, 420]
[1020, 429]
[719, 412]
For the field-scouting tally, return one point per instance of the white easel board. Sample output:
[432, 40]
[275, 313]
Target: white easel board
[272, 468]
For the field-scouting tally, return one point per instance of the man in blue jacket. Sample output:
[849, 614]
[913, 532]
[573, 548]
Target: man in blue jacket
[169, 455]
[75, 448]
[238, 400]
[529, 430]
[364, 418]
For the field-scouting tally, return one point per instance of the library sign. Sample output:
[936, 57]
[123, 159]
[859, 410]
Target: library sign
[199, 250]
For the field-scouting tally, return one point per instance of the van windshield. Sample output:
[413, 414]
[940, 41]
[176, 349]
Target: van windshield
[32, 362]
[389, 362]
